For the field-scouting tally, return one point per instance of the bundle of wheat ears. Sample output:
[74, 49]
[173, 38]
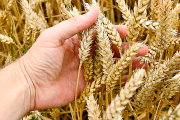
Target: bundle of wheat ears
[149, 94]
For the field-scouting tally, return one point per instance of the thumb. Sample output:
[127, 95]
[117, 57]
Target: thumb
[69, 28]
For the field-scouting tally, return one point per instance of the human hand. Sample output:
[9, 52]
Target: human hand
[51, 65]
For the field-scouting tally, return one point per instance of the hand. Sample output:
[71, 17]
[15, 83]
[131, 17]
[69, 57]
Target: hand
[51, 65]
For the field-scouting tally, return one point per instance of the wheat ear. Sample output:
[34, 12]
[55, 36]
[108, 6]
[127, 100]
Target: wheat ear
[49, 12]
[154, 5]
[124, 9]
[104, 52]
[172, 114]
[155, 81]
[35, 21]
[165, 21]
[108, 26]
[175, 17]
[67, 14]
[119, 103]
[36, 115]
[26, 37]
[93, 109]
[172, 87]
[34, 3]
[102, 61]
[4, 14]
[9, 60]
[67, 2]
[85, 54]
[6, 39]
[119, 67]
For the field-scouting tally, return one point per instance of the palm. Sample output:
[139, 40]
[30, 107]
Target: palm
[58, 65]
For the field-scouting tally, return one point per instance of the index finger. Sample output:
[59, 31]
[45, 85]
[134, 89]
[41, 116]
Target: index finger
[125, 46]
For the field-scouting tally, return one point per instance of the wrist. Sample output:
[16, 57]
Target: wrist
[17, 96]
[28, 83]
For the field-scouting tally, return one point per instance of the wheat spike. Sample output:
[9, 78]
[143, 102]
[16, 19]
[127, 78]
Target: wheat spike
[37, 2]
[121, 65]
[67, 2]
[175, 17]
[27, 32]
[93, 108]
[172, 87]
[109, 27]
[85, 54]
[34, 20]
[49, 11]
[119, 103]
[105, 54]
[155, 5]
[6, 39]
[4, 14]
[67, 14]
[124, 9]
[173, 114]
[35, 115]
[9, 60]
[155, 81]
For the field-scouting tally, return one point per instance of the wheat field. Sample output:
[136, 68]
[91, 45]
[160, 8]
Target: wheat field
[151, 93]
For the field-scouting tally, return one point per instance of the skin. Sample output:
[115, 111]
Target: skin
[47, 73]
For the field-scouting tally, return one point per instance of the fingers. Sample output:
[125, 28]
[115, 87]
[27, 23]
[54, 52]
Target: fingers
[142, 52]
[122, 29]
[124, 80]
[135, 63]
[125, 46]
[69, 28]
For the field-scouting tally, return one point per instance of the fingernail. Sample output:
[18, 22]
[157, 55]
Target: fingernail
[91, 11]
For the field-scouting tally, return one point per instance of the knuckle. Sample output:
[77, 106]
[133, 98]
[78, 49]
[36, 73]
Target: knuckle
[45, 33]
[76, 22]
